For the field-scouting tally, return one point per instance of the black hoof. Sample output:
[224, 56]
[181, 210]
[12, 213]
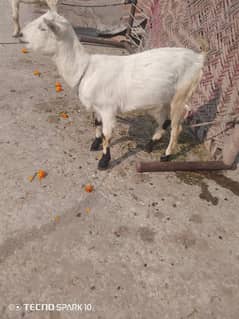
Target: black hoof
[165, 158]
[96, 145]
[104, 161]
[18, 35]
[149, 146]
[166, 124]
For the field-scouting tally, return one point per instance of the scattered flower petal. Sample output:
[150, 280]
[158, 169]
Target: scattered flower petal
[41, 174]
[59, 88]
[37, 73]
[89, 188]
[64, 115]
[24, 50]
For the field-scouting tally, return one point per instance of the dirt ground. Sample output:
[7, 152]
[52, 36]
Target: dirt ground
[159, 245]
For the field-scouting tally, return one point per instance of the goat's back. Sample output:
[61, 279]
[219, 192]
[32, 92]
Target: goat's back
[154, 76]
[148, 78]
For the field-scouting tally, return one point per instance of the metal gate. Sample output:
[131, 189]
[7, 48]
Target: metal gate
[131, 26]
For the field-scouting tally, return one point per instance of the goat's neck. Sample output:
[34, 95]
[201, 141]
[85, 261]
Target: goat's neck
[71, 60]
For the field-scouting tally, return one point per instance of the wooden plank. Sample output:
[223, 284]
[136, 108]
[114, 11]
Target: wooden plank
[157, 166]
[97, 40]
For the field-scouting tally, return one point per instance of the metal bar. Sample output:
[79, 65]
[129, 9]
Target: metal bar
[157, 166]
[84, 38]
[94, 40]
[131, 17]
[96, 5]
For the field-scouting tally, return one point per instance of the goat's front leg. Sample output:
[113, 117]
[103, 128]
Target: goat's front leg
[96, 144]
[108, 123]
[15, 17]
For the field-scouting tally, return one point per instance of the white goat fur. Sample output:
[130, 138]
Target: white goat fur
[15, 4]
[164, 78]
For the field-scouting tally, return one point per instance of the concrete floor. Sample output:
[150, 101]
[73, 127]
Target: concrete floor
[160, 245]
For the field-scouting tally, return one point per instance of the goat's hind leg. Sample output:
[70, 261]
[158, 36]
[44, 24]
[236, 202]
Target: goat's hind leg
[15, 17]
[176, 130]
[178, 111]
[96, 144]
[164, 123]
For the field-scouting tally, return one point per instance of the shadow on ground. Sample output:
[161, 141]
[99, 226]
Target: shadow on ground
[140, 129]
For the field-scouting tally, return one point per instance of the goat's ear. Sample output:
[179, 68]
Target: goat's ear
[52, 26]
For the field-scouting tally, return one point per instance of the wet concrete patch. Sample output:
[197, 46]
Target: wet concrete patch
[146, 234]
[206, 195]
[12, 244]
[195, 218]
[190, 178]
[223, 181]
[187, 239]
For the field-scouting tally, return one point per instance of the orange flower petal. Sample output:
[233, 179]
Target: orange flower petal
[64, 115]
[89, 188]
[41, 174]
[59, 89]
[37, 73]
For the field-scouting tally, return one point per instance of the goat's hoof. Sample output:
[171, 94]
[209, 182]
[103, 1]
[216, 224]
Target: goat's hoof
[165, 158]
[95, 146]
[149, 146]
[104, 161]
[166, 124]
[17, 34]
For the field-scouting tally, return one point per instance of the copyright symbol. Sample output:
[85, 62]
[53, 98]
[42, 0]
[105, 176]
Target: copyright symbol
[18, 307]
[13, 307]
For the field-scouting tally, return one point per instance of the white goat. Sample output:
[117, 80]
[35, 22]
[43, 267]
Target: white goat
[164, 78]
[15, 11]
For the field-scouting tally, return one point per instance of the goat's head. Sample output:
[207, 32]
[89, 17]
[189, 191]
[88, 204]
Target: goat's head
[46, 33]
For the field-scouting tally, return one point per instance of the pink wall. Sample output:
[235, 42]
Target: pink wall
[179, 23]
